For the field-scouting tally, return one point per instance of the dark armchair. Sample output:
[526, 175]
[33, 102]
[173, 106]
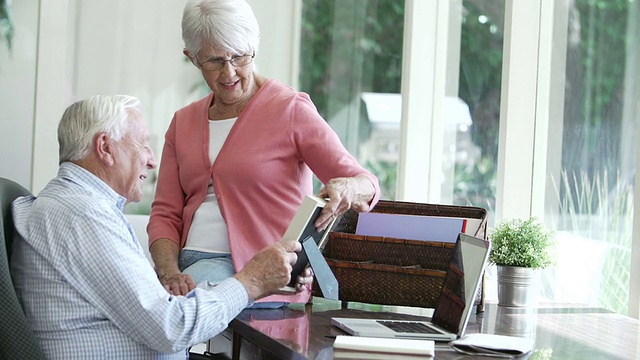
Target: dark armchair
[17, 340]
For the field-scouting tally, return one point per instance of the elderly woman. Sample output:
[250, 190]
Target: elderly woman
[237, 163]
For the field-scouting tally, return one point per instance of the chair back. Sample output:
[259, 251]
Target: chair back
[17, 340]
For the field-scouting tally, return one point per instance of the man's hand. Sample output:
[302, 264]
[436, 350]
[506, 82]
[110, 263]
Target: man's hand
[178, 283]
[270, 269]
[305, 280]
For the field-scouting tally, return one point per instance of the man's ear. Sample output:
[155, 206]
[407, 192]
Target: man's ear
[104, 147]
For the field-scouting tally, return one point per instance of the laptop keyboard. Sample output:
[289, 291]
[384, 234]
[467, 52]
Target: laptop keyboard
[409, 327]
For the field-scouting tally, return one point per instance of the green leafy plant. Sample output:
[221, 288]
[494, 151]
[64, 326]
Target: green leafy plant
[524, 243]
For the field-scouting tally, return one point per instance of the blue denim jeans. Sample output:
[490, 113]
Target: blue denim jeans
[212, 267]
[204, 266]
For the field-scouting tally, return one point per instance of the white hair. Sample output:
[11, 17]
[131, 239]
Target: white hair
[229, 25]
[86, 118]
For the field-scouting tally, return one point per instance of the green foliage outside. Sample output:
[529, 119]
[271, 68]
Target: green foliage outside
[523, 243]
[6, 23]
[481, 46]
[595, 85]
[596, 190]
[387, 176]
[367, 37]
[542, 354]
[349, 47]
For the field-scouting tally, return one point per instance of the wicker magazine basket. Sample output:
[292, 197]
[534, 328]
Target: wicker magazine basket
[391, 271]
[349, 220]
[407, 286]
[390, 251]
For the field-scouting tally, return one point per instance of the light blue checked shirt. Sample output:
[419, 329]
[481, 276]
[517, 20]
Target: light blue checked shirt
[87, 287]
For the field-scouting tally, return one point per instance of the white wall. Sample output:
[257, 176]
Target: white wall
[83, 48]
[135, 48]
[17, 91]
[279, 38]
[53, 85]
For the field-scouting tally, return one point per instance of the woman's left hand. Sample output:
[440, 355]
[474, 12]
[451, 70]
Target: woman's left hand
[344, 194]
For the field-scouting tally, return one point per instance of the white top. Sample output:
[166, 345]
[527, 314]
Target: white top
[208, 230]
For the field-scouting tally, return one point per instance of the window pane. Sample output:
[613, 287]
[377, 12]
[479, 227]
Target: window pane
[480, 76]
[595, 181]
[351, 60]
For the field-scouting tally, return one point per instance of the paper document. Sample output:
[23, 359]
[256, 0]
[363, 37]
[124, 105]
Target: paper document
[412, 227]
[492, 345]
[384, 345]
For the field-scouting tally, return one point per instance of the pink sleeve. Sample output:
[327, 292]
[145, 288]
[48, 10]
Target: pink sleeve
[167, 207]
[321, 147]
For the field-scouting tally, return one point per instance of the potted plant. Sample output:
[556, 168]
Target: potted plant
[518, 248]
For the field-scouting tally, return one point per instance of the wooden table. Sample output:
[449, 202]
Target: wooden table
[560, 331]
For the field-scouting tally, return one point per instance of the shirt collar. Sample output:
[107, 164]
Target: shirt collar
[88, 180]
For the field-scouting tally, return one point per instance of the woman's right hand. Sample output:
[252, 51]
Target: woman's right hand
[178, 283]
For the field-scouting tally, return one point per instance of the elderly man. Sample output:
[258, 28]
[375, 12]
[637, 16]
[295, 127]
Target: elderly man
[81, 275]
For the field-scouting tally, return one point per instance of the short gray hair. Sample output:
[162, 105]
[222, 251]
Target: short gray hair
[229, 25]
[86, 118]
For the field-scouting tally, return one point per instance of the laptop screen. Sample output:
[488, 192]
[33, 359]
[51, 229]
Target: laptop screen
[461, 284]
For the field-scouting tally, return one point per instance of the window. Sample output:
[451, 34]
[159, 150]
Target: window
[351, 60]
[593, 160]
[580, 116]
[480, 77]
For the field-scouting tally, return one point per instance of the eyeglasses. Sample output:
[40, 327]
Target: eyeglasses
[218, 64]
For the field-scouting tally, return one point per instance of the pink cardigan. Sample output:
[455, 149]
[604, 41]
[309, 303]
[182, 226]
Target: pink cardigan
[260, 175]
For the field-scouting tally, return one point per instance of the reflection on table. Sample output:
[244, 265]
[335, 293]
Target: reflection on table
[560, 331]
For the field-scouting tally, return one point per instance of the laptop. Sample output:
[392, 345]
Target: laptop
[452, 311]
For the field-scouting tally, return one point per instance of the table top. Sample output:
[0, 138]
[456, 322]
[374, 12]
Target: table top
[560, 331]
